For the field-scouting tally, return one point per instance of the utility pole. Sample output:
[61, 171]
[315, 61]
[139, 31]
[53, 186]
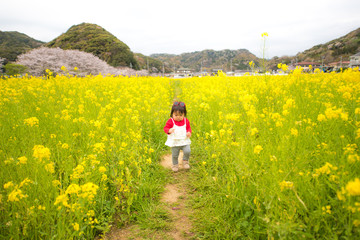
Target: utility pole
[340, 61]
[147, 60]
[163, 70]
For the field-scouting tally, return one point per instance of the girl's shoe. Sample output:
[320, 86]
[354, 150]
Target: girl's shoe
[175, 168]
[186, 165]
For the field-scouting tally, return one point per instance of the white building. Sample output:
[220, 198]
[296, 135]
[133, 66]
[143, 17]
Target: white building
[355, 60]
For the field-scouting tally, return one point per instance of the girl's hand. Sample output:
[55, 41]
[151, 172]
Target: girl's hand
[188, 134]
[171, 130]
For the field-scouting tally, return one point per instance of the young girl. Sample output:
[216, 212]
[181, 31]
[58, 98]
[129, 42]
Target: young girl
[179, 133]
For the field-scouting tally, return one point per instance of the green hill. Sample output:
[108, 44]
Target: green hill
[154, 65]
[14, 43]
[94, 39]
[334, 50]
[209, 59]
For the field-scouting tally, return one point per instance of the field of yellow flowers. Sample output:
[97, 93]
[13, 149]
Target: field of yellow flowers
[272, 156]
[74, 150]
[277, 156]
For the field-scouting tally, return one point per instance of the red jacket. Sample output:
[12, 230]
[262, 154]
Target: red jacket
[169, 124]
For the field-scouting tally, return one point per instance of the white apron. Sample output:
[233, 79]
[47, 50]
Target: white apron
[178, 137]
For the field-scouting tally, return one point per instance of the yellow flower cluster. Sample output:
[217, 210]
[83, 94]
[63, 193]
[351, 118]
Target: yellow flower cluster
[33, 121]
[258, 149]
[283, 67]
[286, 185]
[333, 113]
[22, 160]
[326, 210]
[326, 169]
[351, 151]
[86, 191]
[353, 187]
[16, 194]
[42, 153]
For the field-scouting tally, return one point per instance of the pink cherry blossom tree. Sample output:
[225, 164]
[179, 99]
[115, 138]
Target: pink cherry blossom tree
[72, 62]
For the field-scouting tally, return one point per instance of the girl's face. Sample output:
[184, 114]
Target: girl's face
[177, 116]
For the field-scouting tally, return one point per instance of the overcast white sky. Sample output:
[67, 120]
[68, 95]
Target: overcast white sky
[168, 26]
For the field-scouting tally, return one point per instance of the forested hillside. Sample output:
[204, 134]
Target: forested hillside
[335, 50]
[94, 39]
[14, 43]
[210, 59]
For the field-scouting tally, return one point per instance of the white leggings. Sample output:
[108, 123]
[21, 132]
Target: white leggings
[175, 153]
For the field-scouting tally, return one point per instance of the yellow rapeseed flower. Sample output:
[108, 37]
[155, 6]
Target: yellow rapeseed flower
[8, 185]
[294, 132]
[77, 171]
[22, 160]
[326, 209]
[326, 169]
[286, 185]
[99, 147]
[340, 194]
[73, 188]
[353, 158]
[76, 226]
[353, 187]
[65, 146]
[88, 190]
[254, 131]
[102, 169]
[41, 152]
[357, 134]
[40, 207]
[63, 198]
[50, 167]
[258, 149]
[104, 177]
[16, 195]
[13, 196]
[356, 222]
[321, 117]
[56, 183]
[33, 121]
[25, 182]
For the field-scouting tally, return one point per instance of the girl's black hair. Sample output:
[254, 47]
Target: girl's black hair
[178, 108]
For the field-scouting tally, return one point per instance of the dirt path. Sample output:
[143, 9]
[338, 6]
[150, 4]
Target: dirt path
[175, 197]
[174, 201]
